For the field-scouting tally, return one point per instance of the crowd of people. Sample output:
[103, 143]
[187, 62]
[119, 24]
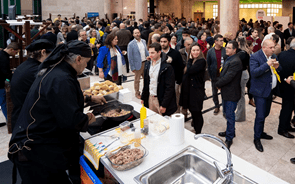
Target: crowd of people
[175, 57]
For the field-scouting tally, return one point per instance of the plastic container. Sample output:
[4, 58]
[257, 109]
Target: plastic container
[137, 137]
[129, 165]
[125, 125]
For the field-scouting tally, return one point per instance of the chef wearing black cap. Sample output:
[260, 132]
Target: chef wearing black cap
[44, 142]
[25, 74]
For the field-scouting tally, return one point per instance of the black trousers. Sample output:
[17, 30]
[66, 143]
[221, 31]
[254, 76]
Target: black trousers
[248, 87]
[286, 114]
[215, 93]
[125, 57]
[35, 173]
[198, 121]
[118, 82]
[90, 64]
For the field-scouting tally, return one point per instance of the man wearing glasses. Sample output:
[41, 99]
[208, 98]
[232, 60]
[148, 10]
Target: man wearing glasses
[215, 57]
[230, 84]
[5, 73]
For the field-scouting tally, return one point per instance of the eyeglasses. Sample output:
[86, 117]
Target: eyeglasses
[228, 48]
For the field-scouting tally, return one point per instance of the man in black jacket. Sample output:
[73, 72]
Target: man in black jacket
[158, 92]
[146, 31]
[291, 81]
[5, 73]
[289, 31]
[73, 35]
[176, 62]
[286, 59]
[229, 83]
[25, 74]
[45, 140]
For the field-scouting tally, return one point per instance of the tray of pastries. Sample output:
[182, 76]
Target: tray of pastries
[103, 88]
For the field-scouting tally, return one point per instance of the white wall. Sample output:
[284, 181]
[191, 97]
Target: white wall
[67, 8]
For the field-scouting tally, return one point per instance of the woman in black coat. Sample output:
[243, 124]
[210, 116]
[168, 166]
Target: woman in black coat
[193, 86]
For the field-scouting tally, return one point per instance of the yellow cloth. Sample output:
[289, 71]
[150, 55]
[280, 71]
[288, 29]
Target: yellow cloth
[222, 45]
[294, 76]
[276, 73]
[91, 149]
[220, 69]
[101, 33]
[92, 41]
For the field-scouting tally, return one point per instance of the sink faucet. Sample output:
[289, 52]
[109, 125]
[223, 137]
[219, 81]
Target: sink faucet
[226, 175]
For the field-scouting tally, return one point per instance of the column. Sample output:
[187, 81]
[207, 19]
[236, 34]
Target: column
[141, 11]
[108, 9]
[229, 16]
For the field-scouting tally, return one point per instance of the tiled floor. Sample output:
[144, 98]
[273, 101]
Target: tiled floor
[277, 152]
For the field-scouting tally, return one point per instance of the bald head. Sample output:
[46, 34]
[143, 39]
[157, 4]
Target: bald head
[267, 42]
[271, 29]
[156, 38]
[122, 26]
[268, 47]
[187, 43]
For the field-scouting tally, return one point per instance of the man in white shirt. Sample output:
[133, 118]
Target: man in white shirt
[137, 53]
[158, 92]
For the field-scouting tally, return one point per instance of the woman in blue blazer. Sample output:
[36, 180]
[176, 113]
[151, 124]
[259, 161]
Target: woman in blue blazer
[110, 61]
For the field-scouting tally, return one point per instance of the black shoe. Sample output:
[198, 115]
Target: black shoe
[258, 145]
[265, 136]
[228, 143]
[291, 129]
[223, 134]
[292, 160]
[2, 124]
[286, 134]
[216, 111]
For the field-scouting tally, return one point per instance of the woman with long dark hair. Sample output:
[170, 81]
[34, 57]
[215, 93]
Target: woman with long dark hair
[193, 86]
[244, 55]
[107, 31]
[110, 61]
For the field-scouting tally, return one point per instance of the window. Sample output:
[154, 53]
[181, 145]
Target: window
[215, 11]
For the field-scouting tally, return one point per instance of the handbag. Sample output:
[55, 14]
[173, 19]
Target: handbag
[105, 62]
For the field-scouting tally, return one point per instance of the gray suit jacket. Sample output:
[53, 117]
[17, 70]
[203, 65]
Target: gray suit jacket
[133, 54]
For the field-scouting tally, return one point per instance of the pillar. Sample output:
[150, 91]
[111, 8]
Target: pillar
[229, 16]
[109, 8]
[141, 10]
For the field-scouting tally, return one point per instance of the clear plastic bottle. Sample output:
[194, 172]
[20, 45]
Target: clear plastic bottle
[137, 137]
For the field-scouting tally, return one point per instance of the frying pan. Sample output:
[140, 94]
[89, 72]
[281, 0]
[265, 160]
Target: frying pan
[117, 106]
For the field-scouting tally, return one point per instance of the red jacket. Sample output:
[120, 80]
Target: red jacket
[256, 43]
[203, 46]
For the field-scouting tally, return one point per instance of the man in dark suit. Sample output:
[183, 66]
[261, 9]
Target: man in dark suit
[291, 81]
[289, 31]
[73, 35]
[229, 83]
[146, 31]
[264, 79]
[279, 32]
[287, 59]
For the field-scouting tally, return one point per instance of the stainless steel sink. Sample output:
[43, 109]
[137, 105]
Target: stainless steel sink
[189, 166]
